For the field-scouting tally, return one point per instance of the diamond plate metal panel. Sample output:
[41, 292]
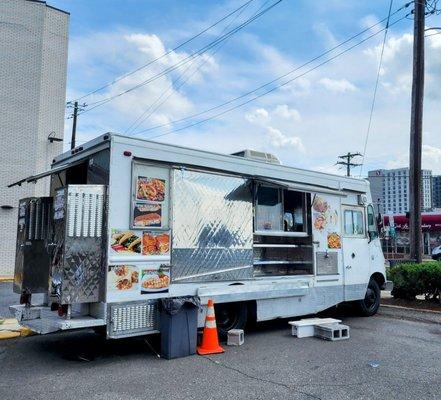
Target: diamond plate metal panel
[212, 227]
[77, 274]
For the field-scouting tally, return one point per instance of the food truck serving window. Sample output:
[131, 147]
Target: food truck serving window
[280, 210]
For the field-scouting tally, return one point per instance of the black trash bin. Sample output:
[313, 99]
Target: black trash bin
[178, 325]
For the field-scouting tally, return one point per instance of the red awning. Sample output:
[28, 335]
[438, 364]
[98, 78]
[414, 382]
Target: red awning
[431, 222]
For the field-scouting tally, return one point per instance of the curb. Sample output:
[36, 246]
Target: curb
[6, 279]
[10, 328]
[411, 309]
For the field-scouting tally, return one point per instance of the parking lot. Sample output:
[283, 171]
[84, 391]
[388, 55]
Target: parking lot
[390, 356]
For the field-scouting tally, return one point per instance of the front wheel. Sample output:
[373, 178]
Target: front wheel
[371, 302]
[230, 316]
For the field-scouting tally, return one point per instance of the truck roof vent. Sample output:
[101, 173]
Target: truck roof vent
[257, 155]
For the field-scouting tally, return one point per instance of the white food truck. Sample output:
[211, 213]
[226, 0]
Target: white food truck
[129, 221]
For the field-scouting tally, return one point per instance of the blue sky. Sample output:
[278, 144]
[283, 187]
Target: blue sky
[307, 124]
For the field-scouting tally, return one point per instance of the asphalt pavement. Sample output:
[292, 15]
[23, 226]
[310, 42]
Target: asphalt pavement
[8, 297]
[387, 357]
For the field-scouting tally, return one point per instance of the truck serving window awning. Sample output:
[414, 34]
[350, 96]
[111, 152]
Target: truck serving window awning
[302, 187]
[35, 178]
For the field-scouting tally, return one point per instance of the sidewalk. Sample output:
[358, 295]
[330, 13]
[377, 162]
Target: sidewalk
[7, 298]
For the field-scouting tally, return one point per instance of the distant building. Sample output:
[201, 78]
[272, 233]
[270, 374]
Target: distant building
[33, 66]
[436, 191]
[390, 190]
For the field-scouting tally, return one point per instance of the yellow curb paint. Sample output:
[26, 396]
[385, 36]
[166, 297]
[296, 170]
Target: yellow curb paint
[6, 279]
[9, 335]
[26, 332]
[8, 321]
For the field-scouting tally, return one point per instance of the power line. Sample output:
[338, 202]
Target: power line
[184, 61]
[371, 113]
[164, 54]
[153, 107]
[270, 90]
[276, 79]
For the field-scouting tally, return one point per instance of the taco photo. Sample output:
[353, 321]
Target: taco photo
[125, 242]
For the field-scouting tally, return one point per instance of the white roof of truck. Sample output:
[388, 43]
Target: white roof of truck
[180, 155]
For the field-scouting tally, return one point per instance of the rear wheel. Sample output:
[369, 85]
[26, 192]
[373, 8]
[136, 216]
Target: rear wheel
[230, 316]
[371, 302]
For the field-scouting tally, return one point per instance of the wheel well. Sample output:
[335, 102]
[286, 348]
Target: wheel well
[379, 278]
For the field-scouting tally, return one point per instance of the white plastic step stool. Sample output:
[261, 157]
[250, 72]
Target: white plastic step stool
[235, 337]
[305, 327]
[332, 332]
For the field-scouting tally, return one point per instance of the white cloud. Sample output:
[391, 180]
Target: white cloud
[162, 97]
[368, 21]
[337, 85]
[278, 139]
[281, 116]
[259, 115]
[431, 159]
[307, 118]
[283, 111]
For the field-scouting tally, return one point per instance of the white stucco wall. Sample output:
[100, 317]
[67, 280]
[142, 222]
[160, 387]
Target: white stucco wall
[33, 65]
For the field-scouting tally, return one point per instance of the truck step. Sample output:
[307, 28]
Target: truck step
[332, 332]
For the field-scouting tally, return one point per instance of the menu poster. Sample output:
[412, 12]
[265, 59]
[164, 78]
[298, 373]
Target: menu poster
[123, 279]
[150, 189]
[155, 280]
[125, 242]
[147, 215]
[156, 243]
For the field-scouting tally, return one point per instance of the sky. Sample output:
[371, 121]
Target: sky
[307, 123]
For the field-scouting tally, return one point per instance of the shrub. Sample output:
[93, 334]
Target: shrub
[412, 279]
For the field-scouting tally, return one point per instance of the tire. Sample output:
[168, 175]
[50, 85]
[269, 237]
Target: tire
[371, 302]
[230, 316]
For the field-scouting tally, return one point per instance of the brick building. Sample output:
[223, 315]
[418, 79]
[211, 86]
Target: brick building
[33, 66]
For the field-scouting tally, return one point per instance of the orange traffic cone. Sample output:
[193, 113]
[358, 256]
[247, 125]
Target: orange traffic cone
[210, 341]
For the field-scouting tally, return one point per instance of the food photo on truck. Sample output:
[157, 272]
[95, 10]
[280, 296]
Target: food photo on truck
[130, 222]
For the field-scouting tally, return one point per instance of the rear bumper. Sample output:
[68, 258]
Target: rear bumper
[387, 286]
[42, 320]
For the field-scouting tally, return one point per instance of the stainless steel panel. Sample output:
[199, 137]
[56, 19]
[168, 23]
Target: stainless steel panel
[32, 259]
[77, 269]
[212, 235]
[327, 263]
[133, 319]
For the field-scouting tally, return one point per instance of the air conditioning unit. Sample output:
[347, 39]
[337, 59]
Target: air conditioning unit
[258, 156]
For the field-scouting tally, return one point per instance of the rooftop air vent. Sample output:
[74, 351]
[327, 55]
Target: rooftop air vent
[258, 156]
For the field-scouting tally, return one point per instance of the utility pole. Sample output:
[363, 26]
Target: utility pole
[76, 107]
[348, 157]
[416, 130]
[74, 125]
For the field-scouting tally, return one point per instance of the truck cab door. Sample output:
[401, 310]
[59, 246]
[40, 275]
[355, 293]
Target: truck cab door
[355, 253]
[376, 259]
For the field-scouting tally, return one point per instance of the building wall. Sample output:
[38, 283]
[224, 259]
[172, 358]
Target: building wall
[391, 187]
[436, 191]
[33, 64]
